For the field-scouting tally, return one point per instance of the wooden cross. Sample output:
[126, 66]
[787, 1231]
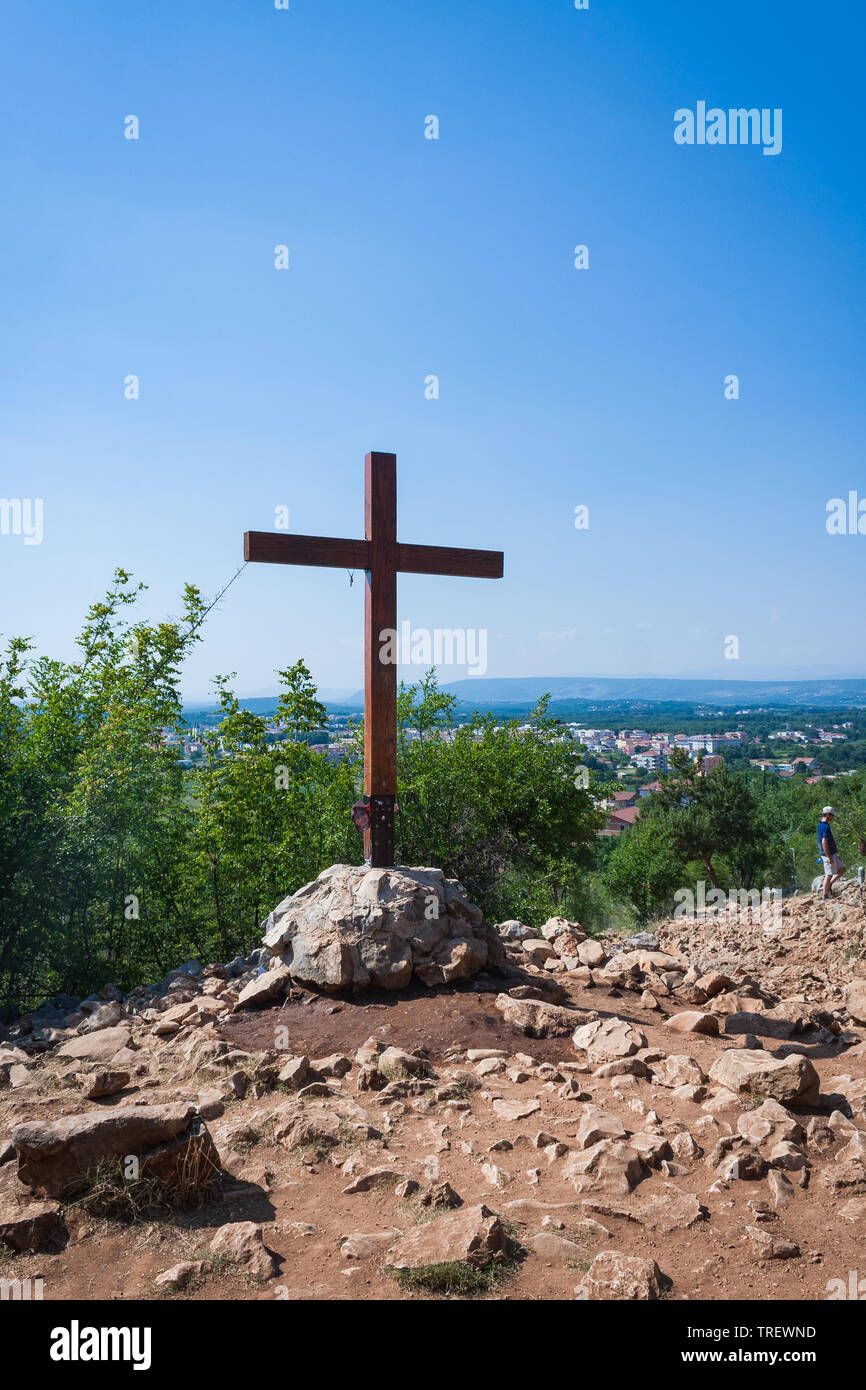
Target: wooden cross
[381, 556]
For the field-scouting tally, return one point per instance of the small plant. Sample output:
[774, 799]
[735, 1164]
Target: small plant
[307, 1153]
[264, 1128]
[753, 1101]
[459, 1090]
[421, 1214]
[453, 1279]
[459, 1278]
[394, 1072]
[576, 1235]
[349, 1138]
[213, 1262]
[50, 1084]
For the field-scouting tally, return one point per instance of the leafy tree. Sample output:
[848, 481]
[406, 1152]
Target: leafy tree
[267, 818]
[298, 707]
[711, 816]
[645, 869]
[494, 805]
[92, 802]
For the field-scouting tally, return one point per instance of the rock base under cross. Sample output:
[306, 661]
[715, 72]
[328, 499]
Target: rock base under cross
[356, 928]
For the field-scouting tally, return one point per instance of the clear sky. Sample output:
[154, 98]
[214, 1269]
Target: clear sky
[409, 257]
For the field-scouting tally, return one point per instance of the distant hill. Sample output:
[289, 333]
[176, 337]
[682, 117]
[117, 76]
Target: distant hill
[201, 714]
[518, 694]
[737, 694]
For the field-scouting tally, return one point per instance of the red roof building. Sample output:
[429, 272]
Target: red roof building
[622, 818]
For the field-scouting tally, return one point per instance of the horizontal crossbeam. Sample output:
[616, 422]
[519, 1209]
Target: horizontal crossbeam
[447, 559]
[276, 549]
[273, 548]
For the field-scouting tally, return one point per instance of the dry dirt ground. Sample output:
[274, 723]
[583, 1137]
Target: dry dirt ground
[487, 1152]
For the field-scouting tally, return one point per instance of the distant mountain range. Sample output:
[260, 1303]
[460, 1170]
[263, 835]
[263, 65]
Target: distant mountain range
[498, 693]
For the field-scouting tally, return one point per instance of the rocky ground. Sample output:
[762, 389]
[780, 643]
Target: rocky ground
[678, 1115]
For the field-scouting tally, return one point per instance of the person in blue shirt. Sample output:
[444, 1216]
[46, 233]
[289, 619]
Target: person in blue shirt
[833, 866]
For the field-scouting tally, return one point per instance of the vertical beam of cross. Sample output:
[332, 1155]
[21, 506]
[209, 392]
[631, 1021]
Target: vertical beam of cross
[380, 677]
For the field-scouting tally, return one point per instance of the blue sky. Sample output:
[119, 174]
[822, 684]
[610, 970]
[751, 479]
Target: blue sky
[262, 388]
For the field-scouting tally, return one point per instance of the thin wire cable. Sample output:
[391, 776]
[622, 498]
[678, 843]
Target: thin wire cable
[157, 672]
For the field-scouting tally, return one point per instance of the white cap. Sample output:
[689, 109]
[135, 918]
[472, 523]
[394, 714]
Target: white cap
[828, 811]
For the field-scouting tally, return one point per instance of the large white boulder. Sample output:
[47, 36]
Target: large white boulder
[355, 927]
